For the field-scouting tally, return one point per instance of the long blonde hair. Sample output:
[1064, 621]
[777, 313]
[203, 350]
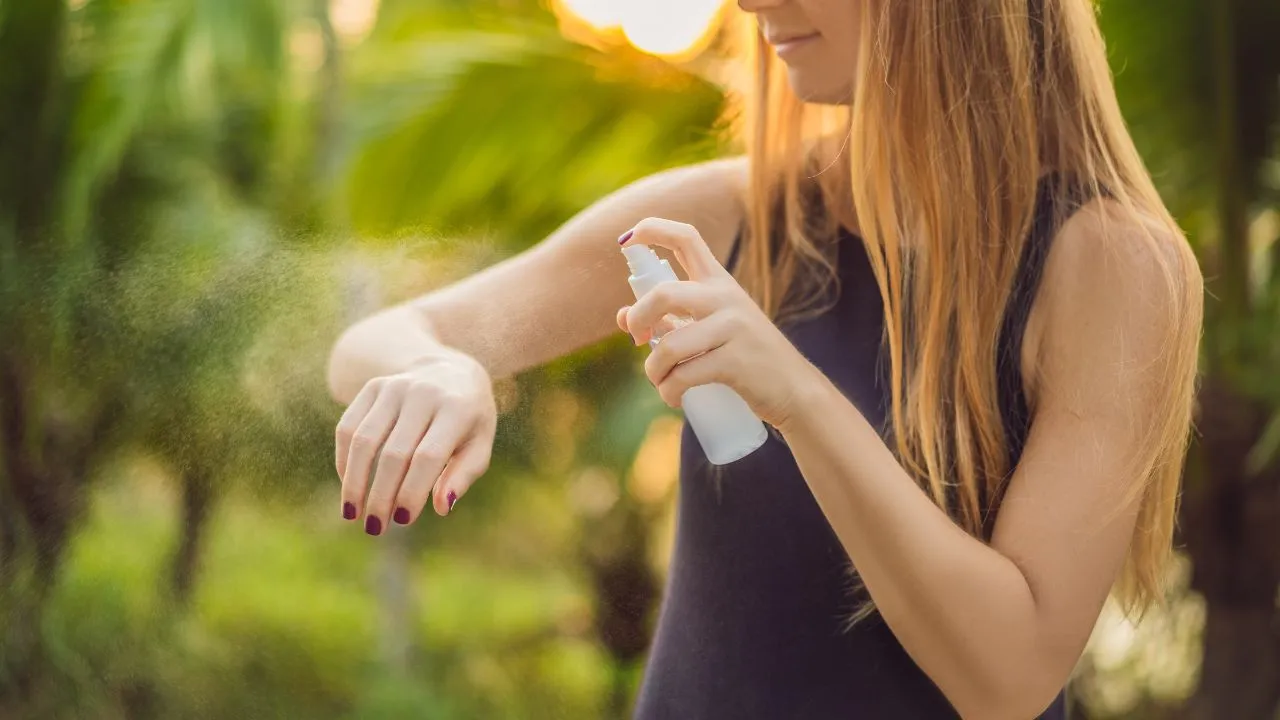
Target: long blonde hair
[959, 108]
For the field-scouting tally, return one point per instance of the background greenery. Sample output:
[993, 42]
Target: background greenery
[196, 195]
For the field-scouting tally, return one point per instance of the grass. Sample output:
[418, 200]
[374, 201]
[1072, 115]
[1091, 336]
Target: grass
[289, 620]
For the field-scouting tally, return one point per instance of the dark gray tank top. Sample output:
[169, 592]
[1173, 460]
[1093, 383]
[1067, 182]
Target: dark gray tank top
[758, 587]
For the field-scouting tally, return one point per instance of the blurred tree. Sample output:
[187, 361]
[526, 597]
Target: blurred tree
[134, 267]
[158, 157]
[1200, 83]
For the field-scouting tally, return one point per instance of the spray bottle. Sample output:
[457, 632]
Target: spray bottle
[722, 421]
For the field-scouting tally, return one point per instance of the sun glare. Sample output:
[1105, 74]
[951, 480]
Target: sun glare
[667, 28]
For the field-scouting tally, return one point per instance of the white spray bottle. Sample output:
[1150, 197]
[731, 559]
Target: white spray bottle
[721, 420]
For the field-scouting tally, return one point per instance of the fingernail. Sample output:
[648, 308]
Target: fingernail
[625, 237]
[348, 511]
[453, 498]
[401, 516]
[373, 525]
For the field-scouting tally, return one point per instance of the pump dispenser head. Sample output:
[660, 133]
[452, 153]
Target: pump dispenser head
[647, 269]
[642, 259]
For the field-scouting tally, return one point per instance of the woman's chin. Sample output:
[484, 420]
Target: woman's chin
[818, 90]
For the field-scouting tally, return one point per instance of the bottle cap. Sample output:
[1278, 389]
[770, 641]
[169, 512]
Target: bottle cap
[642, 260]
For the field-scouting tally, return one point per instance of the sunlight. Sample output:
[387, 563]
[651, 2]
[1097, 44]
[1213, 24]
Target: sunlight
[353, 19]
[670, 27]
[666, 28]
[599, 14]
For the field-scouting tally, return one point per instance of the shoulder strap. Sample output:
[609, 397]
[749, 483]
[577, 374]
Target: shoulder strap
[1056, 202]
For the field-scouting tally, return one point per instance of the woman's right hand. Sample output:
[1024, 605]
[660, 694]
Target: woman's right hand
[428, 428]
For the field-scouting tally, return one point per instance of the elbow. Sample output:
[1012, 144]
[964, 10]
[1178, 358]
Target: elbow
[1019, 696]
[1008, 708]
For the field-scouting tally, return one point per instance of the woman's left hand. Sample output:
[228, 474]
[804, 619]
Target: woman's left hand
[730, 341]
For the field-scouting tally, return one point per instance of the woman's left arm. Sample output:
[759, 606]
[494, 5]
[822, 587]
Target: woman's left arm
[997, 627]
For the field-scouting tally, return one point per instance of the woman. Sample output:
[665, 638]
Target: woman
[956, 295]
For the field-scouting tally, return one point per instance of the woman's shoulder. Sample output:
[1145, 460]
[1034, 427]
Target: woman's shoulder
[1108, 247]
[1115, 274]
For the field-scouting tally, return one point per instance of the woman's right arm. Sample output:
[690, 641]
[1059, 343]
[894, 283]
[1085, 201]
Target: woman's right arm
[418, 375]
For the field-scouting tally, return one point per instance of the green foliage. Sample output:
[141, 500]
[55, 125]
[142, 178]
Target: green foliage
[197, 195]
[177, 182]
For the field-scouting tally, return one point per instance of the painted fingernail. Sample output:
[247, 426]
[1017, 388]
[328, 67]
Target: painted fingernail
[373, 525]
[348, 511]
[625, 237]
[401, 516]
[453, 498]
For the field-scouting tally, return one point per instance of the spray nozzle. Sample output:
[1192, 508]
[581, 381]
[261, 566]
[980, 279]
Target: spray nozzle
[642, 260]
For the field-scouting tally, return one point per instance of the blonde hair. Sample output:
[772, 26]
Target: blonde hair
[958, 110]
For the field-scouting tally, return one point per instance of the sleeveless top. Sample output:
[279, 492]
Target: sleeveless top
[752, 619]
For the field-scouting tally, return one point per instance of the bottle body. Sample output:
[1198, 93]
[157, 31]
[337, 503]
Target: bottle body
[721, 420]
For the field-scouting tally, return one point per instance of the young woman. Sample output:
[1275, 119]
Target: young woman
[944, 276]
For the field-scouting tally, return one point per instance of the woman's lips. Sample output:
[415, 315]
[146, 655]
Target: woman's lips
[790, 45]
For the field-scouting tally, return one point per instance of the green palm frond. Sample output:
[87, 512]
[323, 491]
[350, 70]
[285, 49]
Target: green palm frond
[510, 133]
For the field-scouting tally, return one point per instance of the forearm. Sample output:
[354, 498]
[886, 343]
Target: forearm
[962, 610]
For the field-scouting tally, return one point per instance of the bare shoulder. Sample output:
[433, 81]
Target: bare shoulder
[1122, 293]
[1109, 258]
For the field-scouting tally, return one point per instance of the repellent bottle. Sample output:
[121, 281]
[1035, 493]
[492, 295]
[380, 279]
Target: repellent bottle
[722, 421]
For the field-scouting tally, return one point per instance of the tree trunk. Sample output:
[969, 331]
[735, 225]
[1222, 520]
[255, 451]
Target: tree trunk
[197, 503]
[615, 552]
[1231, 528]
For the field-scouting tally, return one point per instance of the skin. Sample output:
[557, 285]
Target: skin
[821, 68]
[997, 627]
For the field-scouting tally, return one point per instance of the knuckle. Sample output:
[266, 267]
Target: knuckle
[656, 360]
[454, 398]
[430, 456]
[734, 321]
[396, 457]
[649, 226]
[726, 291]
[364, 442]
[426, 389]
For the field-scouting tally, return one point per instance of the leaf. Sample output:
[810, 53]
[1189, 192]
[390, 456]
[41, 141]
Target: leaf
[1266, 450]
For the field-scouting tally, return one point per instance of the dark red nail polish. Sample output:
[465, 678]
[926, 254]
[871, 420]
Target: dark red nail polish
[373, 525]
[401, 516]
[453, 498]
[348, 511]
[625, 237]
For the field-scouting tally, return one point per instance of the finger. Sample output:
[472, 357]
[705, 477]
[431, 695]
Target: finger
[690, 249]
[369, 436]
[351, 419]
[449, 430]
[622, 318]
[681, 299]
[393, 461]
[464, 469]
[703, 370]
[685, 344]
